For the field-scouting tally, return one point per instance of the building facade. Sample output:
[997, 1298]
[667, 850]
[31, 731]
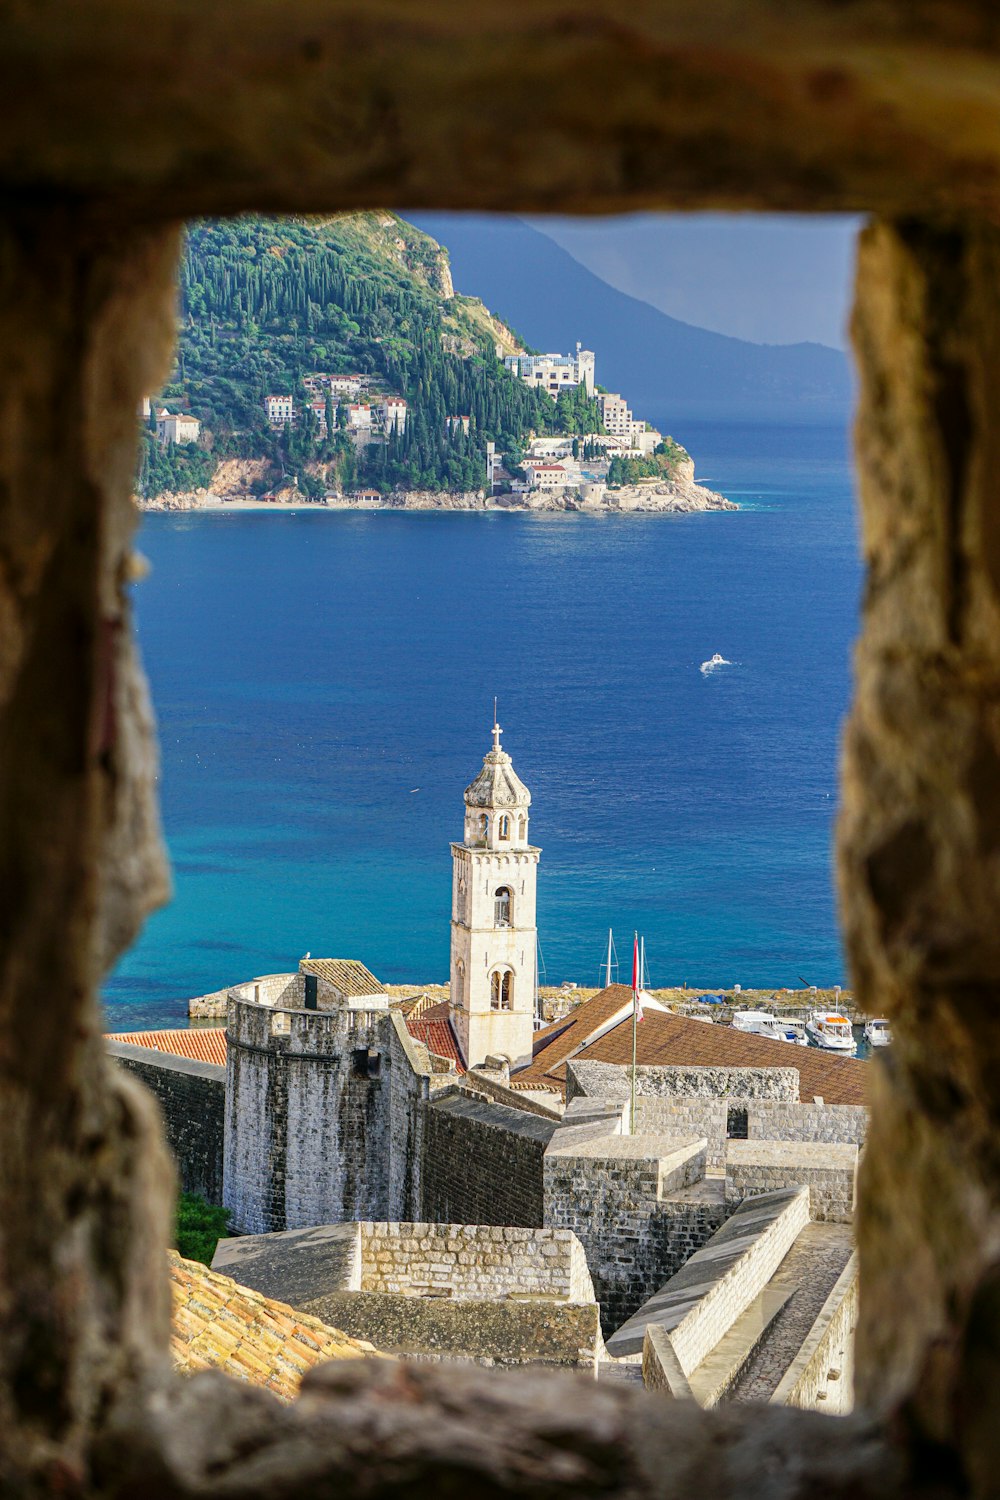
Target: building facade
[176, 427]
[279, 410]
[493, 932]
[554, 372]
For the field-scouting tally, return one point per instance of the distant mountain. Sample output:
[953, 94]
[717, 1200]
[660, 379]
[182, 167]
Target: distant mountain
[664, 367]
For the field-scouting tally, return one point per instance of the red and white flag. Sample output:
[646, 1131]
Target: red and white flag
[636, 980]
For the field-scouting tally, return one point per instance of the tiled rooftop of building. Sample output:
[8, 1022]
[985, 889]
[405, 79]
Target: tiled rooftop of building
[218, 1324]
[675, 1040]
[348, 975]
[207, 1044]
[433, 1027]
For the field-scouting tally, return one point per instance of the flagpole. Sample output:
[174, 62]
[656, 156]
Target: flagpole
[635, 1022]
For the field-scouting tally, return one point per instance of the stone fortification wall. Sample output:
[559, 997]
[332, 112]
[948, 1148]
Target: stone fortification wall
[192, 1097]
[821, 1377]
[828, 1171]
[315, 1130]
[844, 1124]
[486, 1087]
[473, 1262]
[271, 989]
[611, 1081]
[638, 1204]
[482, 1163]
[702, 1301]
[708, 1118]
[499, 1334]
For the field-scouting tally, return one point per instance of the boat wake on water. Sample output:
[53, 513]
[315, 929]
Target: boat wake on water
[714, 662]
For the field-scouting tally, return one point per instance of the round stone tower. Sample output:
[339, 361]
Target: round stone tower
[493, 933]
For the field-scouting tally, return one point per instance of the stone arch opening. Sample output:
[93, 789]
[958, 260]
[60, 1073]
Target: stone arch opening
[787, 113]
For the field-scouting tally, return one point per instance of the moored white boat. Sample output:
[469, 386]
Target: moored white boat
[832, 1031]
[751, 1020]
[877, 1032]
[778, 1029]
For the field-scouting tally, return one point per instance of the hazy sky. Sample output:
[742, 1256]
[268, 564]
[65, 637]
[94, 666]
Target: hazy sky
[774, 279]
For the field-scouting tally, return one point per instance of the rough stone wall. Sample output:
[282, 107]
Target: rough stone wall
[829, 1172]
[482, 1163]
[821, 1377]
[611, 1081]
[708, 1118]
[473, 1262]
[633, 1239]
[502, 1334]
[836, 1123]
[730, 1291]
[192, 1100]
[310, 1139]
[476, 1082]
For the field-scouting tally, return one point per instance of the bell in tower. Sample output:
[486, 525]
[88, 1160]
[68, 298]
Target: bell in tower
[493, 933]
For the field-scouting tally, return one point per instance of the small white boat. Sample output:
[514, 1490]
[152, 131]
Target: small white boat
[830, 1030]
[715, 661]
[877, 1032]
[778, 1029]
[751, 1021]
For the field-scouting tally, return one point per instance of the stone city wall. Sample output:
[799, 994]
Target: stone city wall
[192, 1099]
[836, 1123]
[479, 1083]
[496, 1333]
[708, 1118]
[634, 1239]
[715, 1312]
[315, 1118]
[828, 1171]
[482, 1163]
[473, 1262]
[821, 1377]
[611, 1081]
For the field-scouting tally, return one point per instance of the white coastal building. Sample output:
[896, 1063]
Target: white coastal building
[279, 410]
[176, 427]
[554, 372]
[493, 932]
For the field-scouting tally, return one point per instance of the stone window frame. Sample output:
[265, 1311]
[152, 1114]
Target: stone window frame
[821, 107]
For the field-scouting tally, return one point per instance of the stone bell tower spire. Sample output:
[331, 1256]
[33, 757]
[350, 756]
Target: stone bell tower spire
[493, 934]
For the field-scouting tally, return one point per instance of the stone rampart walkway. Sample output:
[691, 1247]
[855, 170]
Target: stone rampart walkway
[811, 1267]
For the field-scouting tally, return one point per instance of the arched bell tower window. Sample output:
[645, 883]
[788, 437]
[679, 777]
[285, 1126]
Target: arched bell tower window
[503, 827]
[484, 826]
[502, 990]
[501, 907]
[460, 983]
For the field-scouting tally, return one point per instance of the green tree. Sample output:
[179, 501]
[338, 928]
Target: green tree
[198, 1228]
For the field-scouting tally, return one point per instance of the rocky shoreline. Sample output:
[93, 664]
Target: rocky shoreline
[243, 485]
[649, 497]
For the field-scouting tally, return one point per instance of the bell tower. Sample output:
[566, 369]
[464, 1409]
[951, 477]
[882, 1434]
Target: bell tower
[493, 933]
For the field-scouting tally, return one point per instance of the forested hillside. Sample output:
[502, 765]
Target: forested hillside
[265, 302]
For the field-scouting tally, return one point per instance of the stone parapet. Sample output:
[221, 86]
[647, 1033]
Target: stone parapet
[828, 1171]
[838, 1124]
[699, 1305]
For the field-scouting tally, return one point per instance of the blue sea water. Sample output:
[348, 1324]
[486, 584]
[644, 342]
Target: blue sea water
[324, 685]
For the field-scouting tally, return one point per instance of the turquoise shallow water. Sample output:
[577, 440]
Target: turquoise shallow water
[324, 685]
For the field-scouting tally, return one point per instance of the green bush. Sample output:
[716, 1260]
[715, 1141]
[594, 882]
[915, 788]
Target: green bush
[198, 1228]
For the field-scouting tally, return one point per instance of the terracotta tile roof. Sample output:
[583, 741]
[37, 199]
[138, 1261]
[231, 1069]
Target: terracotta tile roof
[347, 974]
[433, 1027]
[667, 1039]
[202, 1044]
[218, 1324]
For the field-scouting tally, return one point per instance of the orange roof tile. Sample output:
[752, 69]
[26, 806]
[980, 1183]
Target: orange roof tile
[675, 1040]
[206, 1044]
[219, 1324]
[433, 1027]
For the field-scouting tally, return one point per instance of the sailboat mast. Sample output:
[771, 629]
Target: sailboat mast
[607, 975]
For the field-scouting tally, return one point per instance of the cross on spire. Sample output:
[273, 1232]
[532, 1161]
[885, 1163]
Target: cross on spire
[497, 731]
